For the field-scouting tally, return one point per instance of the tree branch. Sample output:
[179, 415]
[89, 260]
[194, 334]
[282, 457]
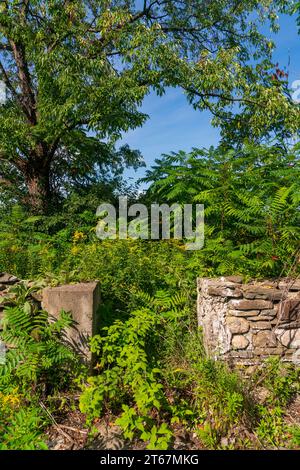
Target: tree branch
[25, 81]
[230, 99]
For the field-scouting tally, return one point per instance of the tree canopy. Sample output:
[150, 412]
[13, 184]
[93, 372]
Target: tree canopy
[76, 73]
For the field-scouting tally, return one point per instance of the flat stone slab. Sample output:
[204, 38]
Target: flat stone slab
[82, 301]
[250, 304]
[6, 278]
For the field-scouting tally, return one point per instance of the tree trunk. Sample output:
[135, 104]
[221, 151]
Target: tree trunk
[37, 180]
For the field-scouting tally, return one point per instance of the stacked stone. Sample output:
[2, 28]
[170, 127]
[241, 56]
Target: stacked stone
[249, 322]
[6, 281]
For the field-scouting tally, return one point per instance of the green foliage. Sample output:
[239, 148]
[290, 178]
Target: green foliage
[67, 250]
[251, 198]
[129, 371]
[36, 354]
[21, 424]
[149, 377]
[38, 363]
[271, 429]
[281, 382]
[209, 399]
[295, 432]
[76, 74]
[153, 376]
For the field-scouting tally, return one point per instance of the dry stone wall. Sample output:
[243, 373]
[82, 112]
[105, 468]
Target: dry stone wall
[246, 323]
[242, 322]
[6, 281]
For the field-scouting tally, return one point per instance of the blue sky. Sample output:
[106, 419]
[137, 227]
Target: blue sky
[174, 125]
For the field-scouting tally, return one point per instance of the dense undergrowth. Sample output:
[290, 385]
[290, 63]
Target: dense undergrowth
[152, 377]
[74, 76]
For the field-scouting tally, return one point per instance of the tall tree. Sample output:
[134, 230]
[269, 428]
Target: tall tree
[76, 73]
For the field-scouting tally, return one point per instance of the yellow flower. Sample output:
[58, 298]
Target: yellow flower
[78, 236]
[10, 400]
[75, 250]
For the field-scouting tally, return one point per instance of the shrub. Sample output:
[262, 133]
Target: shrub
[38, 363]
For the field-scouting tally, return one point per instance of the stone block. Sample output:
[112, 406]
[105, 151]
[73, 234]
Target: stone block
[239, 342]
[270, 312]
[264, 339]
[261, 325]
[265, 352]
[204, 283]
[82, 301]
[224, 292]
[252, 296]
[288, 338]
[8, 279]
[241, 354]
[262, 318]
[292, 285]
[235, 279]
[243, 313]
[237, 325]
[244, 304]
[289, 310]
[258, 292]
[270, 284]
